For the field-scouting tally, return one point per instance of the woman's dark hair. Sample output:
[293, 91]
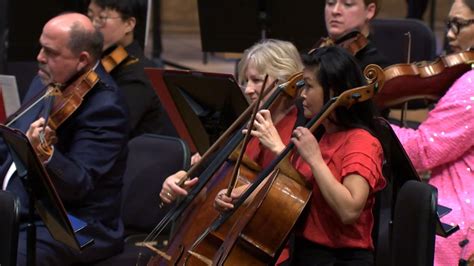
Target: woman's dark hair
[337, 72]
[128, 9]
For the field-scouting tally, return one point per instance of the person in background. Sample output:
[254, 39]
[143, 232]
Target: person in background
[117, 20]
[345, 16]
[443, 144]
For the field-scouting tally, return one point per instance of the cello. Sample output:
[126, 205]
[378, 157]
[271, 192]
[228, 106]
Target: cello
[249, 242]
[201, 197]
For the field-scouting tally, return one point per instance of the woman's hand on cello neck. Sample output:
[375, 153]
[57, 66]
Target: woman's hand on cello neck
[265, 131]
[171, 190]
[224, 203]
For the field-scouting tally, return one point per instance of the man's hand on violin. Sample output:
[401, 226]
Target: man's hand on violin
[265, 131]
[171, 190]
[41, 138]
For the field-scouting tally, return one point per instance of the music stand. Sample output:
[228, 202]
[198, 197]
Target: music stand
[233, 26]
[42, 195]
[201, 105]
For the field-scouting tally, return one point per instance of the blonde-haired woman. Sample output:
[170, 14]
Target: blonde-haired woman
[279, 60]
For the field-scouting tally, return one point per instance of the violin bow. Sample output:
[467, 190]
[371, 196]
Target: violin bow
[235, 171]
[403, 114]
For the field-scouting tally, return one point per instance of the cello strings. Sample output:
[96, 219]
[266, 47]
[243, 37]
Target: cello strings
[173, 213]
[346, 99]
[180, 207]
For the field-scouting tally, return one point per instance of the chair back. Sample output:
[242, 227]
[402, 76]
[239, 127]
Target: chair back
[414, 225]
[395, 48]
[9, 224]
[397, 170]
[151, 159]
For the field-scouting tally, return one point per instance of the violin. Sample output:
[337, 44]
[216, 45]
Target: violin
[426, 80]
[62, 100]
[115, 58]
[70, 98]
[353, 42]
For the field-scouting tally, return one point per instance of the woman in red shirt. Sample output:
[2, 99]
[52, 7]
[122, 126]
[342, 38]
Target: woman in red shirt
[344, 167]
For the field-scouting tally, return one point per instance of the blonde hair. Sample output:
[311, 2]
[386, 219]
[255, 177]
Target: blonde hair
[278, 59]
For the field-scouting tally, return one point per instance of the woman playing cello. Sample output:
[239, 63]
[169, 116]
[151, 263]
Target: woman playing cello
[279, 60]
[344, 167]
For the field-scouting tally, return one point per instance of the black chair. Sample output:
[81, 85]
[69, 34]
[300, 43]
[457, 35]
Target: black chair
[414, 225]
[9, 224]
[389, 36]
[151, 159]
[397, 170]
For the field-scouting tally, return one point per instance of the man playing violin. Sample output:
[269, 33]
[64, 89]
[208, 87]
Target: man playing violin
[117, 20]
[443, 144]
[86, 158]
[345, 16]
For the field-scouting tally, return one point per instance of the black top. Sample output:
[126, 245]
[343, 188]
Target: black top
[370, 55]
[143, 103]
[135, 50]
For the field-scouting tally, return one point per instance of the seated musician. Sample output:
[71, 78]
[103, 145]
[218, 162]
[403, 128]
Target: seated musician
[280, 60]
[443, 144]
[344, 167]
[343, 17]
[85, 156]
[116, 20]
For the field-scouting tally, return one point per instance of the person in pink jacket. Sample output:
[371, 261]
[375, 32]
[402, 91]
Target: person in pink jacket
[444, 144]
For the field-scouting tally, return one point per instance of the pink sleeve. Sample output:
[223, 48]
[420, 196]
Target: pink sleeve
[447, 133]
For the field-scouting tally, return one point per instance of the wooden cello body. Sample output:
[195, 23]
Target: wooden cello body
[199, 213]
[280, 201]
[252, 241]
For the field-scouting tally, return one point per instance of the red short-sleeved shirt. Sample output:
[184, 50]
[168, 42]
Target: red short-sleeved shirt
[261, 155]
[354, 151]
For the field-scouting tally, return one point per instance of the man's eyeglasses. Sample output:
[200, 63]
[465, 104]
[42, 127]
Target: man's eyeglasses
[457, 24]
[101, 19]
